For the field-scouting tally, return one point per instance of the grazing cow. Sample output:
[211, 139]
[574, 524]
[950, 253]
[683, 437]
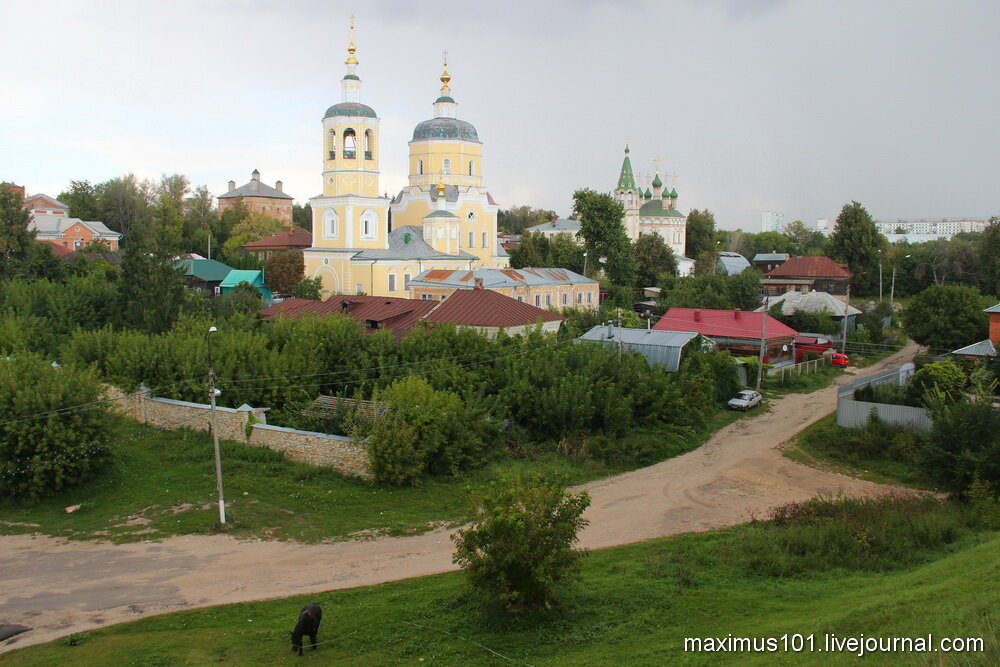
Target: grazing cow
[308, 624]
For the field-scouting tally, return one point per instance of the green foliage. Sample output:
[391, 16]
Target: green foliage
[856, 241]
[284, 270]
[700, 236]
[43, 452]
[150, 290]
[946, 317]
[302, 216]
[81, 197]
[537, 250]
[964, 443]
[308, 288]
[800, 320]
[253, 227]
[518, 550]
[988, 258]
[713, 291]
[425, 431]
[604, 235]
[15, 239]
[653, 258]
[518, 218]
[942, 380]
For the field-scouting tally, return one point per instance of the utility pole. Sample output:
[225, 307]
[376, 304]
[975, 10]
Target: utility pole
[763, 341]
[847, 303]
[212, 393]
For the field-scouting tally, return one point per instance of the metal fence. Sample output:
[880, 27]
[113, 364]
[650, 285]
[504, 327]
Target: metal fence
[804, 368]
[855, 414]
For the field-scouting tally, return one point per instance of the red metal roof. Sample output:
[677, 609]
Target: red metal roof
[722, 323]
[439, 274]
[809, 267]
[486, 308]
[296, 238]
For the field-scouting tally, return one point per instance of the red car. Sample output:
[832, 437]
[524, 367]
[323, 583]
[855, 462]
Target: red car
[838, 359]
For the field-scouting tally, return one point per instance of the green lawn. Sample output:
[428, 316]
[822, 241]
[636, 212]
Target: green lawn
[634, 605]
[162, 483]
[819, 446]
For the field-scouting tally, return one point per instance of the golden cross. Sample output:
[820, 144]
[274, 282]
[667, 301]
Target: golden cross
[444, 54]
[656, 161]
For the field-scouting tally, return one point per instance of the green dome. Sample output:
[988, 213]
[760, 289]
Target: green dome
[657, 182]
[647, 194]
[673, 194]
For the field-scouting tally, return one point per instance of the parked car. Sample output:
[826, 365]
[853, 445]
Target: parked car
[746, 399]
[838, 359]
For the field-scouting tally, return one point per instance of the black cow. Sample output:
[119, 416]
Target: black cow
[308, 624]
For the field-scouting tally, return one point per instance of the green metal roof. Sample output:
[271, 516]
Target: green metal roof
[237, 276]
[654, 209]
[626, 181]
[207, 270]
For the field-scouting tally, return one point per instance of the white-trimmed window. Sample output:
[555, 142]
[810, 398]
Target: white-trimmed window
[471, 216]
[369, 225]
[420, 166]
[565, 299]
[521, 299]
[446, 166]
[406, 281]
[590, 297]
[538, 300]
[440, 231]
[472, 239]
[454, 232]
[548, 300]
[579, 297]
[329, 224]
[428, 232]
[359, 288]
[484, 239]
[392, 282]
[472, 168]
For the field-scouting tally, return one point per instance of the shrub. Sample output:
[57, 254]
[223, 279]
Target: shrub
[943, 377]
[519, 549]
[43, 452]
[964, 443]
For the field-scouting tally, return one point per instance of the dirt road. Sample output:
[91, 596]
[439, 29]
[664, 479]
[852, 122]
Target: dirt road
[60, 587]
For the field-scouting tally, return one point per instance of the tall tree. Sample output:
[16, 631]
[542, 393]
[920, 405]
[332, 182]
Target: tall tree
[126, 204]
[81, 197]
[302, 216]
[516, 219]
[533, 251]
[804, 241]
[988, 258]
[700, 234]
[199, 219]
[15, 239]
[604, 235]
[946, 317]
[254, 227]
[653, 259]
[284, 270]
[858, 242]
[565, 253]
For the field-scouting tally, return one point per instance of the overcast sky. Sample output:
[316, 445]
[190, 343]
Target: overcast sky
[756, 105]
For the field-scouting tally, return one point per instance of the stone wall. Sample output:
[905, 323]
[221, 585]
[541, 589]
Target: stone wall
[246, 425]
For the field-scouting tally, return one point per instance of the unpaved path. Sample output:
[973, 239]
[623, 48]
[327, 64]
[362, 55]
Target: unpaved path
[59, 587]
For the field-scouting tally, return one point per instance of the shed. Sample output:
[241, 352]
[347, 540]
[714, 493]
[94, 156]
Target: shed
[661, 348]
[253, 278]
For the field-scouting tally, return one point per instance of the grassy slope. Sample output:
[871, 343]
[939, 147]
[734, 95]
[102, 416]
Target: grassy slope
[636, 605]
[162, 483]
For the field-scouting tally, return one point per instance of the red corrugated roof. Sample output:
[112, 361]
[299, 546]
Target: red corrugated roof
[296, 238]
[439, 274]
[722, 323]
[511, 273]
[809, 267]
[486, 308]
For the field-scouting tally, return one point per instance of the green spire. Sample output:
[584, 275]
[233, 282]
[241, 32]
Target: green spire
[656, 181]
[626, 181]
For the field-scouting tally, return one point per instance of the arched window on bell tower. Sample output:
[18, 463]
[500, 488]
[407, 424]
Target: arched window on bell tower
[420, 166]
[331, 144]
[369, 146]
[446, 167]
[350, 144]
[472, 168]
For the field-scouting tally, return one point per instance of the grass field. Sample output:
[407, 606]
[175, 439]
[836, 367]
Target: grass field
[162, 483]
[635, 605]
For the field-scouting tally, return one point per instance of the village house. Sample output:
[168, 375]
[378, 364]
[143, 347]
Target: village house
[51, 222]
[260, 198]
[293, 239]
[483, 310]
[806, 274]
[987, 347]
[815, 303]
[660, 348]
[738, 331]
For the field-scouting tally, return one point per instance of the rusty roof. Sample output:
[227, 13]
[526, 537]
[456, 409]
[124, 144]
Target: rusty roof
[810, 267]
[486, 308]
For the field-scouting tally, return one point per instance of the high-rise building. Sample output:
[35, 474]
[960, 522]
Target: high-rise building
[771, 221]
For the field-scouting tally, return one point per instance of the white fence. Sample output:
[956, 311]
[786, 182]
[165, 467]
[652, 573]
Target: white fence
[804, 368]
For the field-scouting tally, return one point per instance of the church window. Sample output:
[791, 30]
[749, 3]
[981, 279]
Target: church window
[472, 168]
[359, 288]
[446, 167]
[420, 166]
[392, 282]
[329, 224]
[369, 145]
[472, 216]
[369, 221]
[484, 239]
[331, 144]
[350, 144]
[472, 239]
[406, 281]
[440, 232]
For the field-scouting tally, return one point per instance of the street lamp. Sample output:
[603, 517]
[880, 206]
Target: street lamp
[212, 393]
[892, 290]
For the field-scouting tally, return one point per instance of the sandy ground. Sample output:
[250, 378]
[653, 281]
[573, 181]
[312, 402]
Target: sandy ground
[59, 587]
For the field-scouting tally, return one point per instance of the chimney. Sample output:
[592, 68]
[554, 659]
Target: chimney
[278, 185]
[736, 314]
[232, 185]
[697, 316]
[478, 283]
[611, 331]
[255, 175]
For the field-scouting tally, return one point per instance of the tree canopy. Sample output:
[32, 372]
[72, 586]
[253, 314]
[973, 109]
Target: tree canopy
[700, 237]
[653, 259]
[858, 242]
[946, 317]
[605, 239]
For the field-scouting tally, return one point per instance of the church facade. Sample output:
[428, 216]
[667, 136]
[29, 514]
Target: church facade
[443, 219]
[650, 211]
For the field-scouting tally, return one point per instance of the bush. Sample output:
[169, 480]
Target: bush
[943, 378]
[964, 443]
[519, 549]
[43, 452]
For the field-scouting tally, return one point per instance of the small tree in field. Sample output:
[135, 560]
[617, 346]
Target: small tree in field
[42, 454]
[519, 549]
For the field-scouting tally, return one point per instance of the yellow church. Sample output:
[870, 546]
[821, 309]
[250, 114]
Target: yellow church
[444, 219]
